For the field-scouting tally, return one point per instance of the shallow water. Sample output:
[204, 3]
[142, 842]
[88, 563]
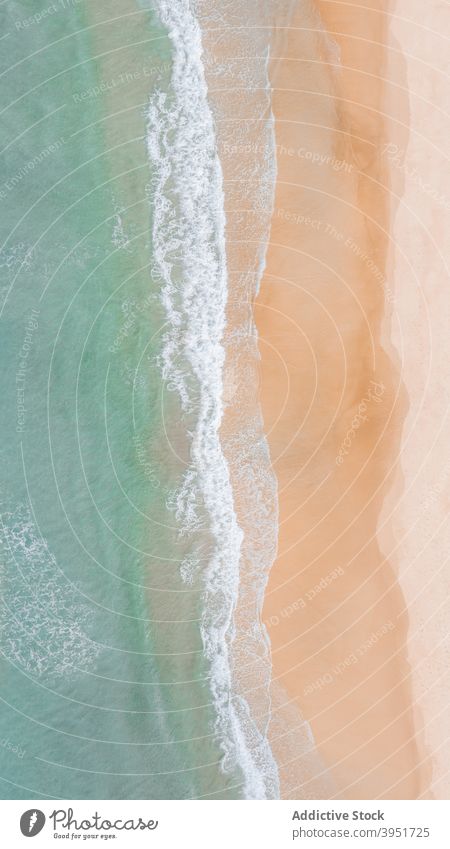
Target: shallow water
[104, 681]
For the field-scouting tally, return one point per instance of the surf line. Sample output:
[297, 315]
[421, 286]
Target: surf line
[189, 265]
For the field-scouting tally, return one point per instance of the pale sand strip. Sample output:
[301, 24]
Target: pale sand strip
[334, 407]
[421, 283]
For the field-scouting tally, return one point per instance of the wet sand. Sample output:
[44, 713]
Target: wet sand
[334, 406]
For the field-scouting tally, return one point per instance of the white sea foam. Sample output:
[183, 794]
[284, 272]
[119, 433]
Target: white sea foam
[42, 622]
[237, 58]
[190, 262]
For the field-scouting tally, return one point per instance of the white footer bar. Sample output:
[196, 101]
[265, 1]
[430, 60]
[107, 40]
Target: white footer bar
[227, 824]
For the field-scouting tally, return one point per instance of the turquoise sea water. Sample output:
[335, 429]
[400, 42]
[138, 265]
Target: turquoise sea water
[104, 689]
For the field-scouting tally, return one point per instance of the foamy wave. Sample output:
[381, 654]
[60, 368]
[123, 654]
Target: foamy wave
[190, 263]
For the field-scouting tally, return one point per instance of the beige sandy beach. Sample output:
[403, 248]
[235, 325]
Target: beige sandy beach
[334, 403]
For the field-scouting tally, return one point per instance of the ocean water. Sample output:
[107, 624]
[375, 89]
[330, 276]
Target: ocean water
[138, 507]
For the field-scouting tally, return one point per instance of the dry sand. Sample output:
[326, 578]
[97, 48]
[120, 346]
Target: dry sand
[334, 404]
